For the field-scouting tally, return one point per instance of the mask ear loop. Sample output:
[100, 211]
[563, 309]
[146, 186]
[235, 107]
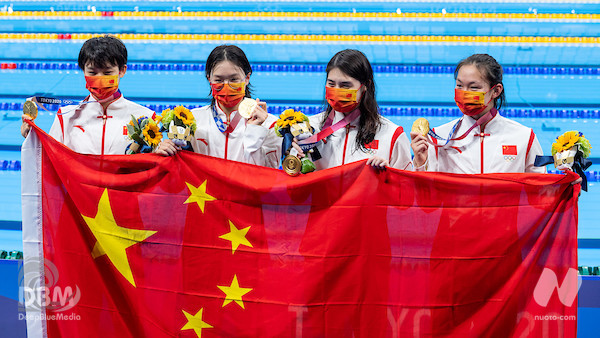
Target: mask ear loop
[494, 86]
[246, 84]
[361, 95]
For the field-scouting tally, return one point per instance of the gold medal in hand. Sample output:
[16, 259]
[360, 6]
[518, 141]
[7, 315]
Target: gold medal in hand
[31, 109]
[421, 126]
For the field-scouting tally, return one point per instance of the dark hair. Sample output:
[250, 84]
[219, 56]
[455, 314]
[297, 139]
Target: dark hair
[103, 51]
[491, 70]
[356, 65]
[228, 53]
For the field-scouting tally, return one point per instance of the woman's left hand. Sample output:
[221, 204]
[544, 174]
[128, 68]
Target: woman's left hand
[378, 162]
[259, 115]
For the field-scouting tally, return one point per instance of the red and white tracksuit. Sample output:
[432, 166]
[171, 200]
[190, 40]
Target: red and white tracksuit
[500, 146]
[254, 144]
[93, 130]
[340, 148]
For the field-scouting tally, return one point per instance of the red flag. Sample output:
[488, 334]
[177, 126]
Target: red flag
[151, 246]
[372, 145]
[509, 150]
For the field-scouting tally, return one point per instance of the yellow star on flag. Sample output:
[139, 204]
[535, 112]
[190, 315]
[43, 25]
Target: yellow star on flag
[111, 239]
[237, 237]
[234, 292]
[195, 323]
[199, 195]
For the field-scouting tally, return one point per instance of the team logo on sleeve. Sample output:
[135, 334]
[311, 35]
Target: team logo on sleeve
[509, 152]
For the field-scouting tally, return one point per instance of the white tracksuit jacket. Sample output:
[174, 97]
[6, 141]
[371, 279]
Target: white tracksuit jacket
[390, 143]
[91, 130]
[501, 146]
[254, 144]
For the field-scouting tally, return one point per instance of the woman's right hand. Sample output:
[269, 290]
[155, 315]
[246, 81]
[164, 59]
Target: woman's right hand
[419, 145]
[167, 148]
[25, 127]
[298, 149]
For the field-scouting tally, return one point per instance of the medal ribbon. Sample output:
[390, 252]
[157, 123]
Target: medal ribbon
[328, 129]
[481, 121]
[38, 100]
[224, 127]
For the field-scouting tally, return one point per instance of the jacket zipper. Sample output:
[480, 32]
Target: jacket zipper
[104, 118]
[345, 144]
[227, 136]
[482, 136]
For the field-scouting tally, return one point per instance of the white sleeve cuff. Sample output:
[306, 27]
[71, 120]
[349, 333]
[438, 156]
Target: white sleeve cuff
[423, 167]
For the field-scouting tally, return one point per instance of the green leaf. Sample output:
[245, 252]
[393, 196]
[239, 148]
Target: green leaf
[167, 118]
[138, 139]
[130, 130]
[135, 124]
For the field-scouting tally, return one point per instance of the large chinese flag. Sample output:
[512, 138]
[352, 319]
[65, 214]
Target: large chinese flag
[189, 245]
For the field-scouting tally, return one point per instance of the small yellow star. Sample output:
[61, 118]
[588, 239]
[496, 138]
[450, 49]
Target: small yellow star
[234, 292]
[198, 195]
[111, 239]
[195, 323]
[237, 237]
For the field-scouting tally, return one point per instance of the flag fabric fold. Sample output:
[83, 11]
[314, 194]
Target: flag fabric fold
[190, 245]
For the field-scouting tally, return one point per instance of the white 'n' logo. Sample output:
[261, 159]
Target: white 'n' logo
[548, 282]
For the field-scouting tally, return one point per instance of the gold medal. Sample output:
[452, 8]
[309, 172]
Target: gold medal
[30, 108]
[292, 165]
[421, 126]
[247, 107]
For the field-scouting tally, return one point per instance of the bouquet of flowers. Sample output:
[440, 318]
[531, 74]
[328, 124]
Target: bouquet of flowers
[294, 124]
[569, 152]
[145, 134]
[573, 142]
[180, 125]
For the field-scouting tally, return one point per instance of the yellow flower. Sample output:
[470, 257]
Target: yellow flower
[565, 141]
[152, 134]
[289, 117]
[184, 115]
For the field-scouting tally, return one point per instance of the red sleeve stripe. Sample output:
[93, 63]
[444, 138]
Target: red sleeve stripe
[435, 142]
[273, 125]
[397, 134]
[531, 138]
[62, 126]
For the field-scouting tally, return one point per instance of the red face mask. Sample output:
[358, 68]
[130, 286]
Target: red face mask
[228, 94]
[342, 100]
[102, 86]
[471, 103]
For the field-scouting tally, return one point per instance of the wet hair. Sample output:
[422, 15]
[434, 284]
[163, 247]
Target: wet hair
[232, 54]
[356, 65]
[103, 51]
[491, 71]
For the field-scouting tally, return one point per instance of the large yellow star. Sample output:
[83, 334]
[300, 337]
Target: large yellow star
[198, 195]
[195, 323]
[111, 239]
[237, 237]
[234, 292]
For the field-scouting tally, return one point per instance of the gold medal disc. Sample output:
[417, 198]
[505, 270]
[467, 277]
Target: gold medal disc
[247, 107]
[30, 108]
[421, 126]
[292, 165]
